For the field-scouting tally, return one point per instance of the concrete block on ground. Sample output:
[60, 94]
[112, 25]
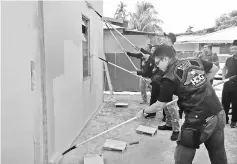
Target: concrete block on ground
[93, 159]
[146, 130]
[115, 145]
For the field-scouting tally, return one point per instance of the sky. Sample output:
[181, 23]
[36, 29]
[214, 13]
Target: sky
[178, 15]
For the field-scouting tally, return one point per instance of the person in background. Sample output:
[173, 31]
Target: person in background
[229, 93]
[169, 39]
[207, 55]
[143, 58]
[155, 76]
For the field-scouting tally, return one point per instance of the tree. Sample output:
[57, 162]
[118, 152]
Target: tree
[226, 20]
[145, 18]
[121, 11]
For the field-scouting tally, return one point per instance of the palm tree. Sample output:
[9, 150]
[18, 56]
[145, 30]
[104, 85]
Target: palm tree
[145, 18]
[121, 11]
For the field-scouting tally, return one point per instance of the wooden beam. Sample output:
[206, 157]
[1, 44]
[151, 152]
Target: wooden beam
[107, 75]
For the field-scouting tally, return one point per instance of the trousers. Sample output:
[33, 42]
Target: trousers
[212, 137]
[143, 87]
[229, 96]
[172, 116]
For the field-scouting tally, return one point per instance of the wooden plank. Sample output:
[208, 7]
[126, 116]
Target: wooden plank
[146, 130]
[121, 104]
[115, 145]
[93, 159]
[107, 75]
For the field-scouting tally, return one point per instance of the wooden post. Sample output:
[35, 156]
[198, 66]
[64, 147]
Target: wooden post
[108, 76]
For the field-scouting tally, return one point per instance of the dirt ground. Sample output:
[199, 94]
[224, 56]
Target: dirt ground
[158, 149]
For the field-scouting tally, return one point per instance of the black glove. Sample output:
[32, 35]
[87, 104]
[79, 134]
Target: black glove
[140, 72]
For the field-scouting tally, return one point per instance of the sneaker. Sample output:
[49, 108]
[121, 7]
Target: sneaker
[233, 125]
[151, 115]
[165, 127]
[174, 136]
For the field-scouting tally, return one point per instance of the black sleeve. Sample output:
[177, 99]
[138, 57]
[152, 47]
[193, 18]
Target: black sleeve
[145, 72]
[137, 55]
[207, 66]
[144, 51]
[227, 62]
[140, 72]
[167, 90]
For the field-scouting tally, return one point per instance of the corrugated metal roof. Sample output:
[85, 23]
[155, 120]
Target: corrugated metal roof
[186, 38]
[222, 36]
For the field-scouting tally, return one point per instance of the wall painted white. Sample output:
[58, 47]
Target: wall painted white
[19, 47]
[71, 99]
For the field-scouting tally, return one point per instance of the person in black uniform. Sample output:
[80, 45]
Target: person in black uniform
[155, 75]
[149, 71]
[229, 93]
[143, 59]
[189, 79]
[169, 40]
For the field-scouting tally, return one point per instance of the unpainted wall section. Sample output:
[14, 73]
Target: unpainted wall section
[71, 99]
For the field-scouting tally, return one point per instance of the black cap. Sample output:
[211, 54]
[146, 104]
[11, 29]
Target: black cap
[171, 36]
[234, 43]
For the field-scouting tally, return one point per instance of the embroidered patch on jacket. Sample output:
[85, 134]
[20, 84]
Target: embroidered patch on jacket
[195, 77]
[190, 72]
[179, 71]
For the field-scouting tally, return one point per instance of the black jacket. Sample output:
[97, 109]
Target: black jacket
[157, 75]
[147, 68]
[139, 56]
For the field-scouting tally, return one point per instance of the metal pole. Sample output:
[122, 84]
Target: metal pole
[122, 68]
[122, 48]
[90, 6]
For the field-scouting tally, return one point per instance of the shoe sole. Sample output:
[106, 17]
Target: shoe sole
[173, 139]
[150, 117]
[165, 129]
